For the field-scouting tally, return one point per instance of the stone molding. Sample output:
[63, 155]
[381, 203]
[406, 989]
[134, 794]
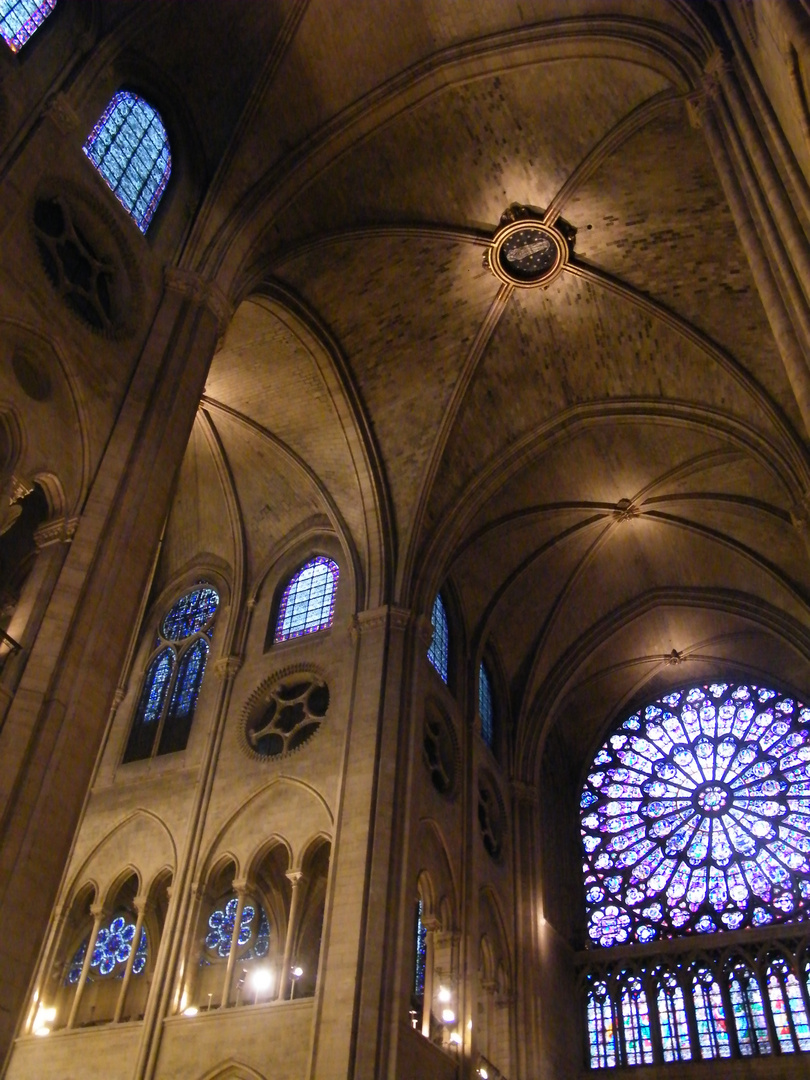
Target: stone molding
[228, 666]
[61, 112]
[60, 531]
[195, 288]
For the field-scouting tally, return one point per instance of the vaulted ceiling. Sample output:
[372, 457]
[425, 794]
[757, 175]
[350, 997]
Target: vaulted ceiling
[608, 472]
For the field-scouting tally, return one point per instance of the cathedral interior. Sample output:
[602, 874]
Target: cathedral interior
[405, 539]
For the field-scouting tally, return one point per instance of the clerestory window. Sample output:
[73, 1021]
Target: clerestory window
[130, 149]
[439, 651]
[695, 820]
[486, 706]
[174, 676]
[19, 19]
[308, 601]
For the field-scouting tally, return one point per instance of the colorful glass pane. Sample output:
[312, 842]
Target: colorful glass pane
[696, 816]
[19, 19]
[261, 943]
[485, 707]
[308, 602]
[192, 613]
[130, 148]
[221, 923]
[180, 714]
[111, 952]
[787, 1007]
[749, 1012]
[439, 651]
[420, 948]
[675, 1042]
[709, 1016]
[150, 707]
[636, 1024]
[601, 1028]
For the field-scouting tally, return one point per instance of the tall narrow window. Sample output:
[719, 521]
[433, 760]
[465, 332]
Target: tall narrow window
[601, 1027]
[308, 601]
[675, 1044]
[130, 148]
[173, 678]
[636, 1023]
[749, 1012]
[787, 1006]
[19, 19]
[420, 950]
[486, 709]
[711, 1021]
[439, 651]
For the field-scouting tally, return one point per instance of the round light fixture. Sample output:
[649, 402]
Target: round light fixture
[526, 251]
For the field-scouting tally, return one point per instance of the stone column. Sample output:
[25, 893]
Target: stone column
[98, 915]
[141, 908]
[56, 722]
[240, 888]
[529, 905]
[297, 879]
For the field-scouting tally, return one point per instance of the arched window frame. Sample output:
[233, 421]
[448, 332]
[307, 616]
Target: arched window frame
[487, 708]
[139, 192]
[319, 609]
[439, 649]
[172, 709]
[20, 20]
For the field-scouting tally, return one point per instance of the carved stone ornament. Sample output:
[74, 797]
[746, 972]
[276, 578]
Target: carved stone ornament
[284, 713]
[440, 748]
[526, 251]
[491, 815]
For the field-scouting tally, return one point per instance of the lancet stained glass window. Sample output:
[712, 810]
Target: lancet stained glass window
[695, 816]
[19, 19]
[174, 676]
[709, 1015]
[439, 651]
[675, 1045]
[749, 1012]
[420, 946]
[308, 601]
[130, 148]
[486, 708]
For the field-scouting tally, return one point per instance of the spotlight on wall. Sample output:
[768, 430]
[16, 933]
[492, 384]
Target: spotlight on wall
[444, 994]
[190, 1010]
[295, 974]
[262, 979]
[455, 1038]
[448, 1016]
[43, 1018]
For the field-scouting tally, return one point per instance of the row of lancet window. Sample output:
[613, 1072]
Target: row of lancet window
[676, 1012]
[129, 146]
[439, 657]
[176, 667]
[695, 821]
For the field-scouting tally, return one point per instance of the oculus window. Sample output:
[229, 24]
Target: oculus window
[130, 149]
[19, 19]
[308, 601]
[174, 676]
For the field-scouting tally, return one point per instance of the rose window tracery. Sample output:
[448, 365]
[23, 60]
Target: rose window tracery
[695, 816]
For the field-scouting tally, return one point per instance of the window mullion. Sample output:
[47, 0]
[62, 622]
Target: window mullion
[167, 701]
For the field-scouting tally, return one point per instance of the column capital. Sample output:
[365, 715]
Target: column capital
[196, 288]
[240, 885]
[60, 531]
[227, 666]
[295, 877]
[98, 910]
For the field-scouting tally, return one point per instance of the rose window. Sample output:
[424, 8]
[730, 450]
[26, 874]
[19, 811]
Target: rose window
[695, 816]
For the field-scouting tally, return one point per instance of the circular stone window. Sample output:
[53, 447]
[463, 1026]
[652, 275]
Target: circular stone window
[525, 251]
[284, 713]
[440, 749]
[491, 815]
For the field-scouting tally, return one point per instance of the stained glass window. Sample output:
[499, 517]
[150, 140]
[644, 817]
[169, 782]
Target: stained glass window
[174, 676]
[787, 1006]
[439, 651]
[111, 952]
[601, 1027]
[130, 148]
[749, 1011]
[709, 1014]
[485, 707]
[695, 816]
[19, 19]
[254, 931]
[420, 948]
[308, 601]
[675, 1044]
[636, 1023]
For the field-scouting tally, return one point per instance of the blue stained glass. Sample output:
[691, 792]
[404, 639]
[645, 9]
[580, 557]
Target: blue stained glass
[749, 1012]
[439, 651]
[485, 707]
[703, 810]
[192, 613]
[787, 1007]
[157, 682]
[420, 950]
[189, 677]
[130, 148]
[221, 923]
[19, 19]
[636, 1024]
[711, 1021]
[601, 1028]
[308, 602]
[675, 1042]
[261, 944]
[111, 952]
